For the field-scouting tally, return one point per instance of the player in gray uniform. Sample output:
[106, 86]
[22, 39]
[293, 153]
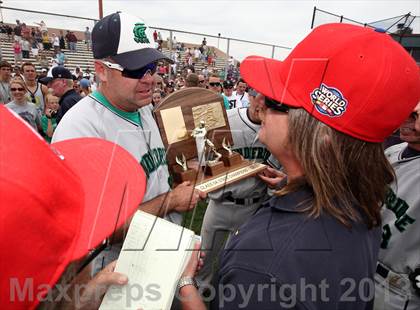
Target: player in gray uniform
[120, 111]
[397, 279]
[231, 206]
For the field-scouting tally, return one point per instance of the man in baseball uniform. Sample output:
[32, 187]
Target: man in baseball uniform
[231, 206]
[120, 110]
[397, 279]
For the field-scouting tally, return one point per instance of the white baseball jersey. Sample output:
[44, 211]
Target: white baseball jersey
[137, 132]
[400, 249]
[246, 143]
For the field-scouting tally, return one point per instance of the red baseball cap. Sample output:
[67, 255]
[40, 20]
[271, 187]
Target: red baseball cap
[57, 203]
[356, 80]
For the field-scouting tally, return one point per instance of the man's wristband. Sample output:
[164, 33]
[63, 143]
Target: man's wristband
[184, 281]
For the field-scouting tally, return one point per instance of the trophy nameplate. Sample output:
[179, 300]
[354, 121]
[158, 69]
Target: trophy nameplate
[194, 127]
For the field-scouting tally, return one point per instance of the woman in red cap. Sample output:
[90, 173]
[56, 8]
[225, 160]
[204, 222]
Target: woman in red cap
[328, 107]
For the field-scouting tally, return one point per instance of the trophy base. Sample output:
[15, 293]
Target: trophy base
[182, 176]
[214, 169]
[232, 160]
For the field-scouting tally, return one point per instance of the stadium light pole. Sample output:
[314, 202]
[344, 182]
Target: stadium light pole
[101, 11]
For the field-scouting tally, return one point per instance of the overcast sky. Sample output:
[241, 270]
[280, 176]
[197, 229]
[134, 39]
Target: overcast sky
[277, 22]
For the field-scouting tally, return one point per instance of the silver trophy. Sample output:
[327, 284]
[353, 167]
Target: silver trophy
[213, 149]
[182, 162]
[227, 147]
[199, 133]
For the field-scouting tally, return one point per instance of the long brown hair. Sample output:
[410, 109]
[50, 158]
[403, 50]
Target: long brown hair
[349, 177]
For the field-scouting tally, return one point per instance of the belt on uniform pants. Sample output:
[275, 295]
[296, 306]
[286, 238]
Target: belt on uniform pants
[394, 279]
[243, 201]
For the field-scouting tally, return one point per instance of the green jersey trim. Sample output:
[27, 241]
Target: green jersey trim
[132, 117]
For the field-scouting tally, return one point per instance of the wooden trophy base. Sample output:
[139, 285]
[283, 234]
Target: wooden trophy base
[182, 176]
[232, 160]
[214, 169]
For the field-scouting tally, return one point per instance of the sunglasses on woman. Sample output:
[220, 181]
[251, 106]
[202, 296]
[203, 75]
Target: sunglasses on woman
[17, 89]
[276, 106]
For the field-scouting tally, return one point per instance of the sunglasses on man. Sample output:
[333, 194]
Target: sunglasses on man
[214, 84]
[132, 74]
[276, 106]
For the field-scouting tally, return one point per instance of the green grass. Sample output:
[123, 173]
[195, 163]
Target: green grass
[194, 218]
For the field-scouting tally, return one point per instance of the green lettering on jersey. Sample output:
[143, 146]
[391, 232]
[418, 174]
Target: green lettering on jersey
[152, 160]
[399, 207]
[254, 153]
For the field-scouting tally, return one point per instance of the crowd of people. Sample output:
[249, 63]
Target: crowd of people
[330, 224]
[36, 42]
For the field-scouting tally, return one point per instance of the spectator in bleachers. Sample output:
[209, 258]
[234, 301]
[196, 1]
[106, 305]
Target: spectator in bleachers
[62, 40]
[76, 85]
[156, 97]
[78, 73]
[26, 47]
[9, 32]
[72, 39]
[180, 83]
[228, 94]
[60, 80]
[18, 31]
[202, 81]
[88, 38]
[35, 49]
[49, 119]
[17, 52]
[197, 54]
[46, 42]
[43, 60]
[43, 73]
[55, 42]
[67, 39]
[85, 87]
[241, 93]
[216, 86]
[36, 91]
[231, 62]
[5, 75]
[60, 57]
[26, 32]
[170, 87]
[21, 106]
[159, 82]
[192, 80]
[1, 53]
[42, 27]
[205, 71]
[38, 38]
[17, 73]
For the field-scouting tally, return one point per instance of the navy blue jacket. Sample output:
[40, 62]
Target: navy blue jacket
[284, 259]
[69, 99]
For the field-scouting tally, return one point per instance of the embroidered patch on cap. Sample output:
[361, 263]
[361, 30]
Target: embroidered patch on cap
[329, 101]
[139, 32]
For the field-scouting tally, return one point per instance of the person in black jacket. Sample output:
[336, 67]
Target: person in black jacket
[60, 80]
